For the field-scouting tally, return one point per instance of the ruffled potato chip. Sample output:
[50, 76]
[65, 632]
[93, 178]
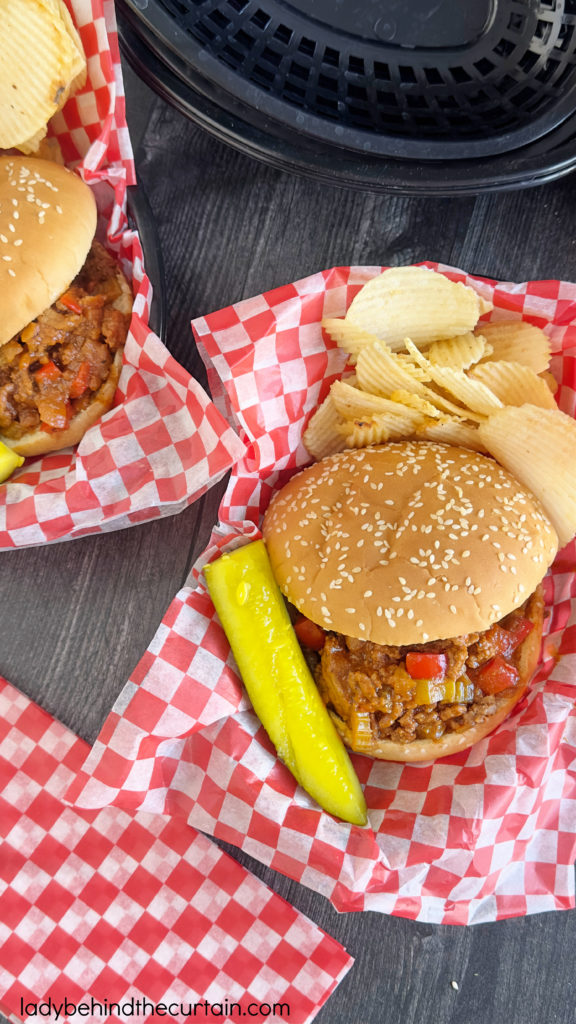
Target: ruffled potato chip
[380, 371]
[458, 353]
[514, 384]
[452, 431]
[321, 437]
[362, 433]
[550, 380]
[403, 359]
[347, 335]
[538, 447]
[397, 423]
[418, 403]
[41, 62]
[78, 68]
[474, 395]
[415, 302]
[518, 342]
[353, 403]
[383, 372]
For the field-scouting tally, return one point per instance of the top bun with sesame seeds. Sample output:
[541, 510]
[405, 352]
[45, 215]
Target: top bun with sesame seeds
[47, 223]
[406, 543]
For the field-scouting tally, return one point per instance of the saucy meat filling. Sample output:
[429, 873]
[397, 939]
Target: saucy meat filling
[419, 692]
[52, 368]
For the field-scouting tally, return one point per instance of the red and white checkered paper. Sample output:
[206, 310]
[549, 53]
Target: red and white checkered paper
[486, 834]
[118, 907]
[164, 443]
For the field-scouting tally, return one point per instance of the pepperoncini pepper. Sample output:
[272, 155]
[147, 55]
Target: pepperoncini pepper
[9, 461]
[278, 680]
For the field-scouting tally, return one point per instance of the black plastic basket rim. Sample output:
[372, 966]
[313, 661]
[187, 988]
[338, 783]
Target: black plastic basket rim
[219, 84]
[141, 217]
[537, 164]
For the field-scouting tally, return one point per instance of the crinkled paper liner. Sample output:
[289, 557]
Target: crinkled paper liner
[116, 907]
[164, 443]
[485, 834]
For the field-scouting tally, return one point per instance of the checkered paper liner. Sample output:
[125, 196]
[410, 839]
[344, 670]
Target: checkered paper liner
[164, 443]
[485, 834]
[116, 907]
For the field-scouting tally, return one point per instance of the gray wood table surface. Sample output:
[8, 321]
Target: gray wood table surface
[76, 617]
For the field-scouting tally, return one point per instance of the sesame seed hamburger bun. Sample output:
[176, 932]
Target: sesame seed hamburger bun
[410, 545]
[47, 223]
[405, 543]
[65, 309]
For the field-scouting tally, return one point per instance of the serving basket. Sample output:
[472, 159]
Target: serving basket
[425, 97]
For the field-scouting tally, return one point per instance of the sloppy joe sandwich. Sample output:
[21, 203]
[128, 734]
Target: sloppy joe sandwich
[415, 569]
[65, 308]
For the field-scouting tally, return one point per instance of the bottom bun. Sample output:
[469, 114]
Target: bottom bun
[453, 742]
[40, 442]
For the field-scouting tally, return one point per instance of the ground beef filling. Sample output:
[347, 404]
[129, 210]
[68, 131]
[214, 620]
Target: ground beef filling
[51, 370]
[367, 684]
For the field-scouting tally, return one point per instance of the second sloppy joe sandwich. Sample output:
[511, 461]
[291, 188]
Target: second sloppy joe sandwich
[65, 308]
[416, 569]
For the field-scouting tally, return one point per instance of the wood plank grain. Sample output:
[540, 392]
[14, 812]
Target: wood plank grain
[77, 617]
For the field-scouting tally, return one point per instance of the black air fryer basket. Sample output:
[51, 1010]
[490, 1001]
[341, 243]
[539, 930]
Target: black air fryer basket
[430, 96]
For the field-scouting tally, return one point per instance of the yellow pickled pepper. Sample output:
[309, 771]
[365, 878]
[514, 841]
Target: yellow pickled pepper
[9, 461]
[278, 680]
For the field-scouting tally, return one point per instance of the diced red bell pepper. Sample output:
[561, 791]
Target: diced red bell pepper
[309, 633]
[68, 299]
[421, 665]
[80, 382]
[497, 675]
[48, 372]
[505, 641]
[521, 629]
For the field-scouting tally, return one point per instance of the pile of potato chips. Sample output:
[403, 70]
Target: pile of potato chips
[426, 369]
[42, 63]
